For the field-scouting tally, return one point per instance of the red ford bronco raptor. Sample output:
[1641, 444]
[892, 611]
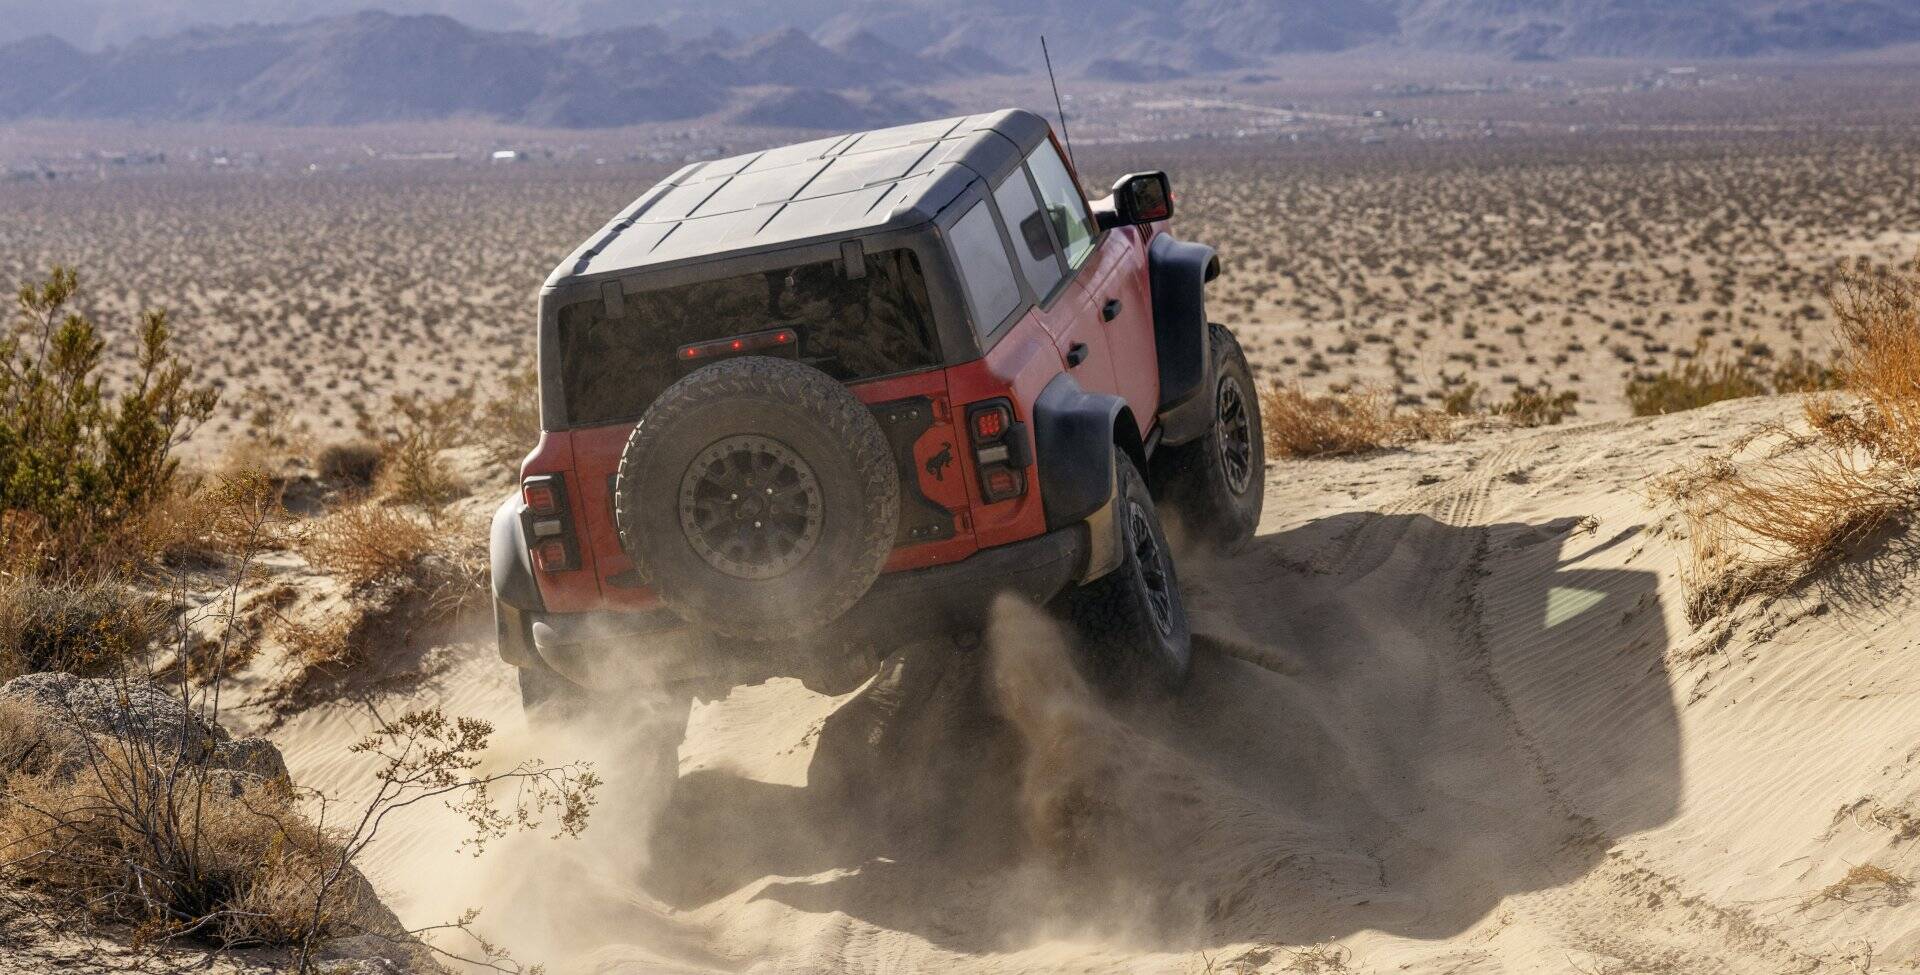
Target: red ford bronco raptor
[865, 384]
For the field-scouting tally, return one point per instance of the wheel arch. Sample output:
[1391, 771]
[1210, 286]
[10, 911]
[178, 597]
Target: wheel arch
[516, 593]
[1075, 432]
[1178, 272]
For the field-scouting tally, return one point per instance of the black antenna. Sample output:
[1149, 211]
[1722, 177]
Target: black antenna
[1065, 136]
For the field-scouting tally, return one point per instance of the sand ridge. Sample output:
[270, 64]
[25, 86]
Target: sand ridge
[1433, 727]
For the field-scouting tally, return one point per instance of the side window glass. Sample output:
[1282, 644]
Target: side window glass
[1072, 224]
[1033, 247]
[982, 260]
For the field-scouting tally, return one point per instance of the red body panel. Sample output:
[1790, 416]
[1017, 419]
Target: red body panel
[1017, 369]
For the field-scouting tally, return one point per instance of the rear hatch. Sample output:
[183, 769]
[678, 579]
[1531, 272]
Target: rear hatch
[873, 330]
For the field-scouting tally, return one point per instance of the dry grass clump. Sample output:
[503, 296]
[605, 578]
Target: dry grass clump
[88, 628]
[1878, 320]
[354, 463]
[1760, 528]
[405, 569]
[368, 543]
[1301, 425]
[1865, 883]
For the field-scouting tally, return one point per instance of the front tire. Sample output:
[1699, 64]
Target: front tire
[1132, 620]
[1217, 484]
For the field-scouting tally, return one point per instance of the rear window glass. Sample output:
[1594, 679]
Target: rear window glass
[852, 329]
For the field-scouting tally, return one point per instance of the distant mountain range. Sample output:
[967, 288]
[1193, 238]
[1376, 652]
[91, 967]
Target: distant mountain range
[803, 63]
[375, 67]
[1188, 31]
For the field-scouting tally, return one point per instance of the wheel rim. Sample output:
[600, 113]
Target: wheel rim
[1153, 567]
[1236, 436]
[750, 507]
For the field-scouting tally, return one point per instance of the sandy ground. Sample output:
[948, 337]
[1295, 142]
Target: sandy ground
[1447, 716]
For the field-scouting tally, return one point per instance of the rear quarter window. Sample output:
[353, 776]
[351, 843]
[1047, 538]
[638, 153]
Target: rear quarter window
[981, 256]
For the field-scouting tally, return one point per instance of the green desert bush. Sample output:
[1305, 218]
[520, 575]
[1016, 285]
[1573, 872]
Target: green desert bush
[77, 462]
[1702, 380]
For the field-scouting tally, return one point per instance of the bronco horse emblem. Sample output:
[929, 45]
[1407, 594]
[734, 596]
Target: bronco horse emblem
[937, 464]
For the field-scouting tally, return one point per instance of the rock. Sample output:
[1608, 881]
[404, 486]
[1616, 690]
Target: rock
[142, 711]
[368, 954]
[256, 755]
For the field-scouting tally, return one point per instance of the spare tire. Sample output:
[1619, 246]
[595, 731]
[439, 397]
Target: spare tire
[758, 497]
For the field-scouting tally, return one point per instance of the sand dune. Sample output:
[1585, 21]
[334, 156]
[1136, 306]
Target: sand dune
[1447, 716]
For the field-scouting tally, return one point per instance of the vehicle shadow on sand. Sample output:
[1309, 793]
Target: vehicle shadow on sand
[1393, 724]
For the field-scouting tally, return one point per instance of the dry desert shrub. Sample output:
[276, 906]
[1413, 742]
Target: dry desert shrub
[82, 628]
[404, 569]
[411, 471]
[368, 542]
[1758, 528]
[354, 463]
[1301, 425]
[134, 835]
[1878, 321]
[510, 422]
[137, 831]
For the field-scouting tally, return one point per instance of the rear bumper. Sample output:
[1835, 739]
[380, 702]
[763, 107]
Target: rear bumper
[957, 595]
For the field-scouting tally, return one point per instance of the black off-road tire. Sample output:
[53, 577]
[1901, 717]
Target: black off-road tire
[545, 695]
[1132, 644]
[649, 729]
[815, 424]
[1216, 485]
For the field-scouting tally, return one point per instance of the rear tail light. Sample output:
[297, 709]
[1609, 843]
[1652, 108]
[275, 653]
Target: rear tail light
[776, 339]
[990, 422]
[542, 495]
[1001, 452]
[548, 529]
[554, 555]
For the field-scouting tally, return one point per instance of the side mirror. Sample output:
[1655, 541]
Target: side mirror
[1143, 198]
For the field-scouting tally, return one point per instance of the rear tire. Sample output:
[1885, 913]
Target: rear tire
[547, 697]
[1217, 484]
[647, 727]
[1132, 620]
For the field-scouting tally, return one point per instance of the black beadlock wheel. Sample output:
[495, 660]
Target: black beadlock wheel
[758, 497]
[1132, 620]
[1216, 485]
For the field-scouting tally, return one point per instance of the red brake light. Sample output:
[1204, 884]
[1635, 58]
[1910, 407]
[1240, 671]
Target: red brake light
[743, 343]
[989, 424]
[542, 496]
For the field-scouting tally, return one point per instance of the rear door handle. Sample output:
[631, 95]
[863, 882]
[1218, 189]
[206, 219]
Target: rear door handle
[1076, 354]
[1110, 310]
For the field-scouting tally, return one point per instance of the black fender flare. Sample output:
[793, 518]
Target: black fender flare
[516, 595]
[1074, 434]
[1178, 272]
